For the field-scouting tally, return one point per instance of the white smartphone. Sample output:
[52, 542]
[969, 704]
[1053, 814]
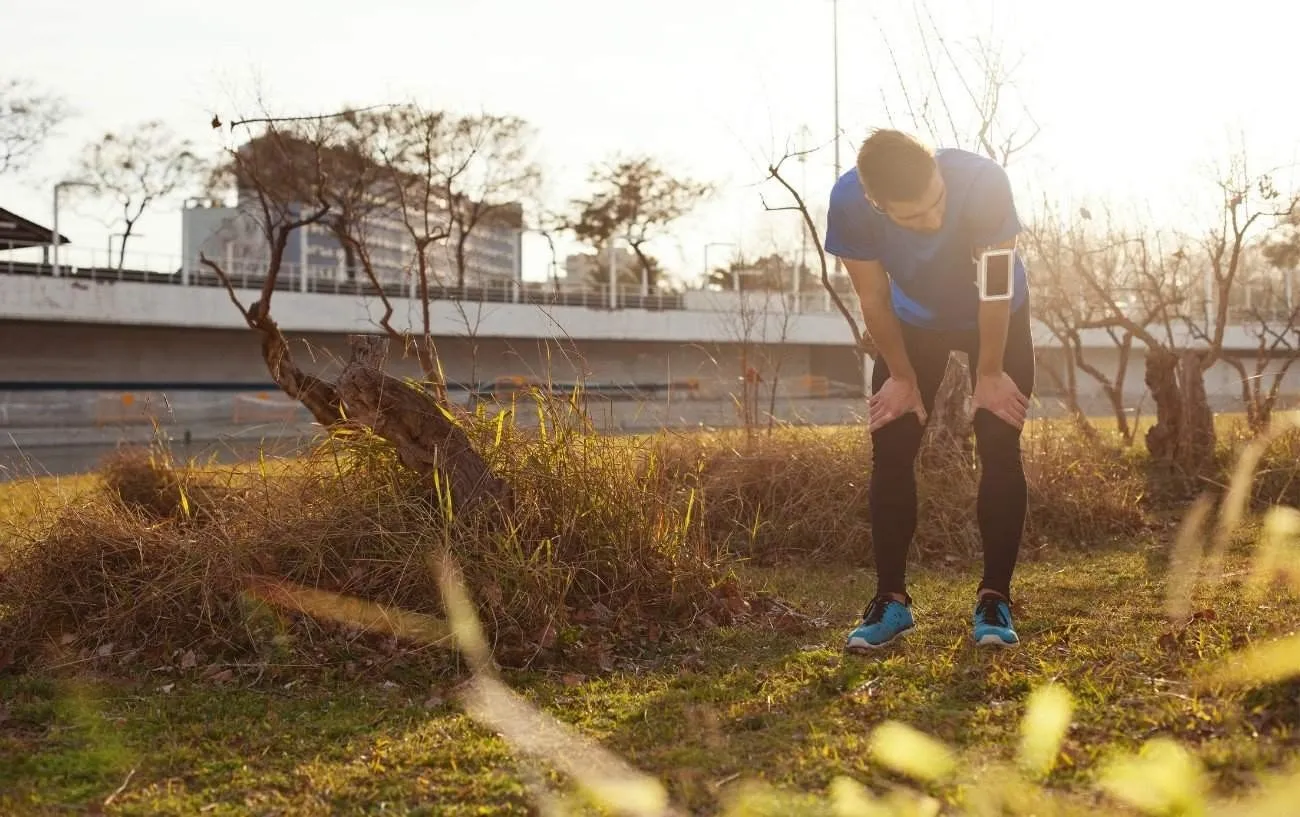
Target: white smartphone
[996, 281]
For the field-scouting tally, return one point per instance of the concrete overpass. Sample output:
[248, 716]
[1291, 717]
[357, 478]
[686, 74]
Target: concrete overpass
[104, 349]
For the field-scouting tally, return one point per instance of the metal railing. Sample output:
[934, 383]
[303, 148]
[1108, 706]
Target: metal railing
[327, 279]
[1250, 305]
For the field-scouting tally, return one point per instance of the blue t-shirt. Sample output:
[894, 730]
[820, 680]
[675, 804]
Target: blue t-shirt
[932, 276]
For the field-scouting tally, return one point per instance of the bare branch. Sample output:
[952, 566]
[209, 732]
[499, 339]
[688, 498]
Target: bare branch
[28, 118]
[769, 208]
[230, 289]
[284, 120]
[774, 172]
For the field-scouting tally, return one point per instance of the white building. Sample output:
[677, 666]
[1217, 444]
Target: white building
[592, 268]
[235, 238]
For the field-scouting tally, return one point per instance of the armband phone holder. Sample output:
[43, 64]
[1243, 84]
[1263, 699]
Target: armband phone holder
[995, 279]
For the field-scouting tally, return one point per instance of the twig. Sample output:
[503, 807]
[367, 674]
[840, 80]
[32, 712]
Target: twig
[230, 289]
[275, 120]
[108, 800]
[774, 172]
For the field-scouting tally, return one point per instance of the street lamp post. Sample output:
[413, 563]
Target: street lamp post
[55, 238]
[613, 275]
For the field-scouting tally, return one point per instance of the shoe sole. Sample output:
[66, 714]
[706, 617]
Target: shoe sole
[865, 648]
[994, 641]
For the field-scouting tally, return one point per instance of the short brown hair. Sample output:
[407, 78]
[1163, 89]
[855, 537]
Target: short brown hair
[893, 166]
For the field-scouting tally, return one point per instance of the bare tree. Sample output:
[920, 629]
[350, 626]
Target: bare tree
[1144, 298]
[28, 118]
[139, 168]
[423, 175]
[1175, 298]
[862, 344]
[1226, 250]
[1065, 256]
[494, 171]
[302, 172]
[1272, 318]
[634, 199]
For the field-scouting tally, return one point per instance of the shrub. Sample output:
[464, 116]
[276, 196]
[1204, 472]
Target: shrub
[802, 492]
[585, 544]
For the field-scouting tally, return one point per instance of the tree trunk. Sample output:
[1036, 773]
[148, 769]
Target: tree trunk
[950, 433]
[319, 396]
[1182, 440]
[1162, 381]
[427, 441]
[1069, 386]
[1251, 399]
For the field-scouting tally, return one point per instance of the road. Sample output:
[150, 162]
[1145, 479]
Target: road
[80, 458]
[57, 451]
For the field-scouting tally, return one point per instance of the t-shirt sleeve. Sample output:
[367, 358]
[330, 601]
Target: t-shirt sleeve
[995, 218]
[849, 224]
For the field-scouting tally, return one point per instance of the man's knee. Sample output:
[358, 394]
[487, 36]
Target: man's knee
[996, 441]
[895, 444]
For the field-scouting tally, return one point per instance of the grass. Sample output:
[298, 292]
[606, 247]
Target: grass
[195, 641]
[607, 536]
[733, 705]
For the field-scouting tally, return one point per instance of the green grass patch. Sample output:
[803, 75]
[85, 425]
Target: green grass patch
[680, 600]
[737, 704]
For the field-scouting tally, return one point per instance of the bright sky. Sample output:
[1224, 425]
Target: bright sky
[1136, 99]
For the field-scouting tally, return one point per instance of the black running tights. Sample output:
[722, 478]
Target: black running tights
[1002, 500]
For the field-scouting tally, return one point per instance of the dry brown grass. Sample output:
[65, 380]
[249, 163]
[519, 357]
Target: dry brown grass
[802, 493]
[613, 542]
[161, 562]
[1277, 479]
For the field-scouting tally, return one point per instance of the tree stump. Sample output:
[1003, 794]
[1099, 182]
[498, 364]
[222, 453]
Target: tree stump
[1183, 438]
[1198, 420]
[426, 439]
[949, 432]
[1161, 379]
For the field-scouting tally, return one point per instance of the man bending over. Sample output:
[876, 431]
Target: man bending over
[913, 228]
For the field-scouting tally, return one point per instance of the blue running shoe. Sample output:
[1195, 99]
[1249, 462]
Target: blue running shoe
[992, 622]
[886, 619]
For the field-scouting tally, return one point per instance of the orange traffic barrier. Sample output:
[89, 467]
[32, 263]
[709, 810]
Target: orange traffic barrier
[264, 407]
[123, 409]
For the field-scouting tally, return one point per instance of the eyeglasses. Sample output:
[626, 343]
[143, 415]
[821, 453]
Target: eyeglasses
[941, 201]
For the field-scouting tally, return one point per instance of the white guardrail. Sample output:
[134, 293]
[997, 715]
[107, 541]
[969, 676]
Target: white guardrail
[329, 279]
[1254, 304]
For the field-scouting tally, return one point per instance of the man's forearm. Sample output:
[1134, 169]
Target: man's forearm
[883, 327]
[994, 318]
[871, 284]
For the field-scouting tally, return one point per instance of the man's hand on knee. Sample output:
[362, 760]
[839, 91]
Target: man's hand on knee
[1000, 395]
[895, 399]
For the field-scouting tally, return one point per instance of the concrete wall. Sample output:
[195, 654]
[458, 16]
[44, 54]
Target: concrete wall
[70, 330]
[67, 352]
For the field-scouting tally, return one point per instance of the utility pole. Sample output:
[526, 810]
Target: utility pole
[835, 71]
[835, 59]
